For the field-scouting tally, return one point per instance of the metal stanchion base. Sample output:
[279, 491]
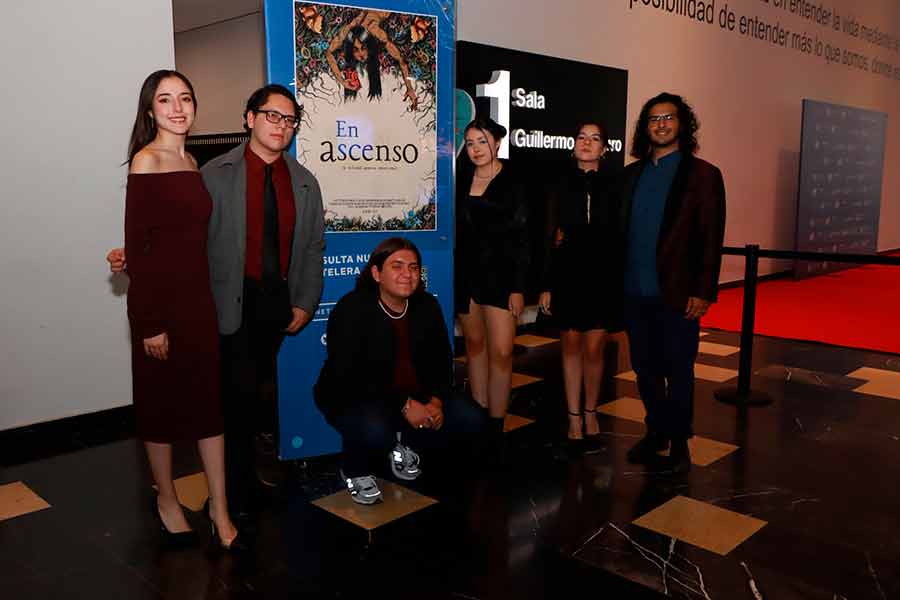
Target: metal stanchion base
[731, 395]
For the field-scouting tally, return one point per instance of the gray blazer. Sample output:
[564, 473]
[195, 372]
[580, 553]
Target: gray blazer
[226, 179]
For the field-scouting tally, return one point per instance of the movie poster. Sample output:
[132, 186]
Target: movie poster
[375, 78]
[366, 79]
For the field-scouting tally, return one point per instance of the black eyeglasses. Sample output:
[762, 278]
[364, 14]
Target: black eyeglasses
[275, 117]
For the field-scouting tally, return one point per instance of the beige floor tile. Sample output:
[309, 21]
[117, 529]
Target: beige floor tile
[397, 502]
[192, 491]
[701, 371]
[880, 382]
[880, 389]
[718, 349]
[701, 524]
[704, 451]
[533, 341]
[873, 374]
[627, 376]
[519, 380]
[625, 408]
[17, 499]
[513, 422]
[710, 373]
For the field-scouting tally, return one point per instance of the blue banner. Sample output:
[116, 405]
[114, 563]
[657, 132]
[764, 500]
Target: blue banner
[376, 82]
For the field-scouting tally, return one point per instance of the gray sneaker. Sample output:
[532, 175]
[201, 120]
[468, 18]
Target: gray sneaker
[363, 490]
[404, 461]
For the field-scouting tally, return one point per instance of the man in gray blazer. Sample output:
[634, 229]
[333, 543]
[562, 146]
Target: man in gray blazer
[265, 246]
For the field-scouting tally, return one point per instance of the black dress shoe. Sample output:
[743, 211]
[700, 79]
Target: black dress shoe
[646, 450]
[176, 539]
[680, 457]
[236, 545]
[593, 442]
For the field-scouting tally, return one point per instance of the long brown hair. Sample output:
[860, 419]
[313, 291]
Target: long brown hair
[144, 130]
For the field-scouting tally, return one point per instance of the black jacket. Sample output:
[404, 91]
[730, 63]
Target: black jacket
[689, 249]
[360, 364]
[493, 245]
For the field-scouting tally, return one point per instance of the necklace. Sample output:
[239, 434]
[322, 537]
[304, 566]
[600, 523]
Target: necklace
[390, 314]
[493, 174]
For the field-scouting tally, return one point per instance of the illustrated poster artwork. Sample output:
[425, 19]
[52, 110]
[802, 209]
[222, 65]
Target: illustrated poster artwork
[366, 79]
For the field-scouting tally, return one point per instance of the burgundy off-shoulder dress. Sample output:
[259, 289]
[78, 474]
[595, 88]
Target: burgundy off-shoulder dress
[166, 218]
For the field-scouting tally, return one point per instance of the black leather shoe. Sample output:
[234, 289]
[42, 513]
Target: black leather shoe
[647, 449]
[179, 539]
[680, 457]
[236, 545]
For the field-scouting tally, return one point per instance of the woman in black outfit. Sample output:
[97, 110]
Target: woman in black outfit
[492, 257]
[386, 382]
[582, 273]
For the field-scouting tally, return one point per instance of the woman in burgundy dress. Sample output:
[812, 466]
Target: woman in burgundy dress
[175, 341]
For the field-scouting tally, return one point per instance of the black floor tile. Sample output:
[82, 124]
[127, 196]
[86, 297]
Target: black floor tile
[819, 465]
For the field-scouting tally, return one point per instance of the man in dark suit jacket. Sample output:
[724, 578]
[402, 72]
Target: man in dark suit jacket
[673, 224]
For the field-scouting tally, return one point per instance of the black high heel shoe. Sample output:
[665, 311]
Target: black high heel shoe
[580, 415]
[575, 446]
[235, 545]
[593, 413]
[178, 539]
[593, 442]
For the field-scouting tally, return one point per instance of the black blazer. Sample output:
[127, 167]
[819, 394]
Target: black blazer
[360, 363]
[689, 249]
[492, 238]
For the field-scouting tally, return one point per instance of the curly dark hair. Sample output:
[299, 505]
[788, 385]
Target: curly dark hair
[687, 121]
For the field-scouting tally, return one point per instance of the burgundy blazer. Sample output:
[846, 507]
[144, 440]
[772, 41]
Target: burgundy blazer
[689, 249]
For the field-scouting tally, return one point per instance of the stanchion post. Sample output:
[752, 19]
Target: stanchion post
[742, 395]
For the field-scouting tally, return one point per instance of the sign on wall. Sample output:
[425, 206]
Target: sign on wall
[375, 78]
[839, 195]
[540, 100]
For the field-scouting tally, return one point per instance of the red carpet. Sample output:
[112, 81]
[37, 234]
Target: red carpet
[858, 307]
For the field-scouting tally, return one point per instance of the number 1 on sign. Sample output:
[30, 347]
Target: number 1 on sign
[497, 90]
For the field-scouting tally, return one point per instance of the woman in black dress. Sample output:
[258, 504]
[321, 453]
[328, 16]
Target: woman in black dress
[492, 258]
[582, 273]
[175, 340]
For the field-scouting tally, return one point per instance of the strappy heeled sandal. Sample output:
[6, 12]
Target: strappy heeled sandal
[580, 415]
